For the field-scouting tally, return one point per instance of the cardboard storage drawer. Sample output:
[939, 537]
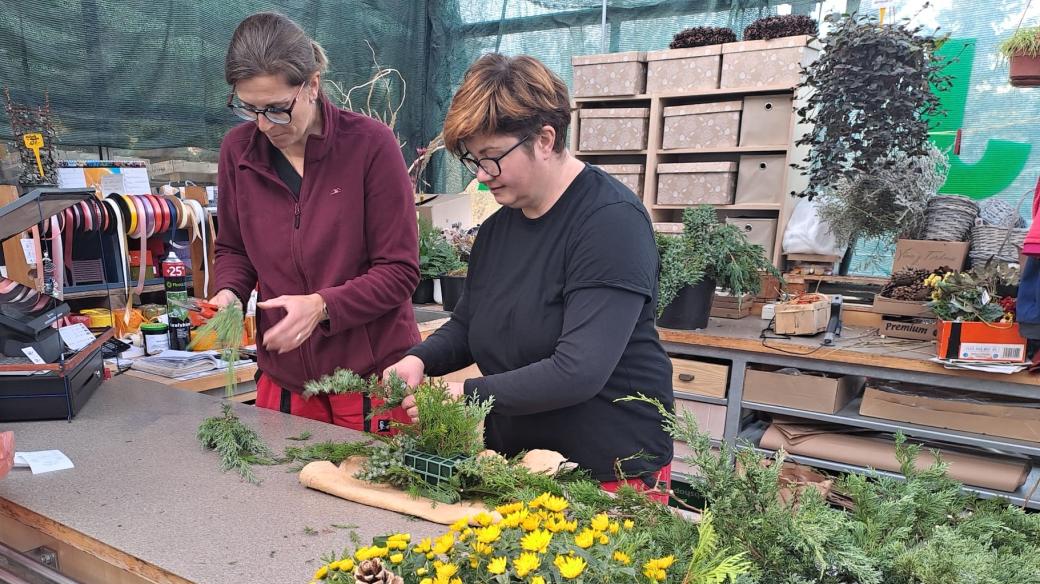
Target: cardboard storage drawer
[758, 231]
[683, 70]
[630, 175]
[695, 183]
[703, 125]
[767, 120]
[766, 63]
[808, 392]
[609, 74]
[760, 179]
[711, 418]
[699, 377]
[613, 128]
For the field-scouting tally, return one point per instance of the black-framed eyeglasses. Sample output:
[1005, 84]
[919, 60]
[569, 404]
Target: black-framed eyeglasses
[490, 165]
[275, 115]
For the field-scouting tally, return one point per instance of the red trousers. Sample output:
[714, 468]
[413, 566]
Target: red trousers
[664, 483]
[347, 410]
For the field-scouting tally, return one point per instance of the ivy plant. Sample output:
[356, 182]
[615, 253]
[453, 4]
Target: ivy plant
[870, 99]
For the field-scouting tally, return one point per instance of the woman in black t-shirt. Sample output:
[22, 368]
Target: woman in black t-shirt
[558, 308]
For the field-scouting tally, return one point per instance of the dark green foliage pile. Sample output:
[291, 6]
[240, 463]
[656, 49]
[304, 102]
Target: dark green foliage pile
[774, 27]
[437, 256]
[702, 36]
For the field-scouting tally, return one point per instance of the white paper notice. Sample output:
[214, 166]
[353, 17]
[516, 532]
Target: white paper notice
[76, 336]
[72, 178]
[29, 249]
[43, 461]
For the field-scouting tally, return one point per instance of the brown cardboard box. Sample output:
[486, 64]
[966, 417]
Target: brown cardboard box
[683, 70]
[702, 125]
[764, 63]
[767, 120]
[630, 175]
[609, 74]
[802, 319]
[884, 305]
[917, 329]
[622, 128]
[999, 417]
[711, 418]
[929, 255]
[695, 183]
[760, 179]
[827, 395]
[759, 231]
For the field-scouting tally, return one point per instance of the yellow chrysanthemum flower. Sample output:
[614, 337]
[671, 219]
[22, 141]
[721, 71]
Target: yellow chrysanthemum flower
[537, 580]
[362, 554]
[444, 543]
[603, 539]
[570, 566]
[321, 573]
[346, 565]
[557, 523]
[489, 534]
[474, 561]
[585, 539]
[459, 525]
[497, 566]
[515, 518]
[504, 510]
[629, 524]
[446, 571]
[465, 534]
[426, 581]
[424, 546]
[536, 541]
[622, 558]
[405, 537]
[526, 563]
[483, 549]
[539, 500]
[484, 519]
[572, 526]
[379, 552]
[422, 572]
[600, 522]
[396, 558]
[396, 544]
[613, 528]
[555, 504]
[531, 522]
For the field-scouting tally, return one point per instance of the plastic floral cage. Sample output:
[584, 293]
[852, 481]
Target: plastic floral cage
[433, 469]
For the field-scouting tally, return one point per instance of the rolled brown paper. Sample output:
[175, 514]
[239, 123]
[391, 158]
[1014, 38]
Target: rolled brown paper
[6, 452]
[1001, 474]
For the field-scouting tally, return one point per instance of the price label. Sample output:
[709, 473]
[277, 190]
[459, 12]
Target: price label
[34, 142]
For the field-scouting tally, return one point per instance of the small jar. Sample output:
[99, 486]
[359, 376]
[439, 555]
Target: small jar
[155, 338]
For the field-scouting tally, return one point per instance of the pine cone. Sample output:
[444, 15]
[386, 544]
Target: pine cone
[373, 572]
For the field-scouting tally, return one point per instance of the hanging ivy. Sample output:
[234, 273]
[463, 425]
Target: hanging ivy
[870, 99]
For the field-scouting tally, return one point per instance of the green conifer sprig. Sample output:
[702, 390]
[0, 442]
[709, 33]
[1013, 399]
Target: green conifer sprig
[238, 445]
[392, 391]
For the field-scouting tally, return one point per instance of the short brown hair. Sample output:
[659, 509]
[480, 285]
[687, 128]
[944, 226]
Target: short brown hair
[268, 43]
[507, 95]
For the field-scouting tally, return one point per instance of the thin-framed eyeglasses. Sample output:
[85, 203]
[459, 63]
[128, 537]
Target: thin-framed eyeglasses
[275, 115]
[490, 164]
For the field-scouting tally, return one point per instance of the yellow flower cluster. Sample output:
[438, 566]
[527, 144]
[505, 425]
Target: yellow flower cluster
[655, 569]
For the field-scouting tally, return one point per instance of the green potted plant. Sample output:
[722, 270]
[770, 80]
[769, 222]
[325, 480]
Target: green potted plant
[1022, 50]
[454, 281]
[436, 258]
[706, 254]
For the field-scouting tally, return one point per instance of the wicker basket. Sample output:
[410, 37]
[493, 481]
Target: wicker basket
[1003, 244]
[949, 218]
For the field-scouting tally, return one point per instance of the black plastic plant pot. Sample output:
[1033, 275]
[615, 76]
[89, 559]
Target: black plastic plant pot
[433, 469]
[423, 292]
[691, 307]
[451, 291]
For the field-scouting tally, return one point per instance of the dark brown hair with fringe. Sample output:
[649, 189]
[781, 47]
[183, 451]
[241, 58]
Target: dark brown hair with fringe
[507, 95]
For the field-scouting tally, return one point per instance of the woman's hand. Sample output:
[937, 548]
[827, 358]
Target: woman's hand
[302, 315]
[410, 369]
[6, 452]
[224, 298]
[455, 391]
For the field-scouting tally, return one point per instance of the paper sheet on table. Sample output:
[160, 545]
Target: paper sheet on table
[42, 461]
[1005, 368]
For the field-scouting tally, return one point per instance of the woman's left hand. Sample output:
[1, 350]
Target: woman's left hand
[455, 391]
[302, 314]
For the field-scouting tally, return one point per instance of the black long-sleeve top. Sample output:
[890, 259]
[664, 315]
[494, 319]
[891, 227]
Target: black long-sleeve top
[558, 313]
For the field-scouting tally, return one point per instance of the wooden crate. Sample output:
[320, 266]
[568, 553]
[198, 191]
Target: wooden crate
[700, 378]
[732, 306]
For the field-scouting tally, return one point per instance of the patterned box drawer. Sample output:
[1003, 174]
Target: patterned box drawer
[696, 183]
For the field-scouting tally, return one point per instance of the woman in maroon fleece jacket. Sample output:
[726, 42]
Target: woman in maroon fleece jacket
[315, 208]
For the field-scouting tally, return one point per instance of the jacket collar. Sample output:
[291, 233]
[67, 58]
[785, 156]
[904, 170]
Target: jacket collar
[257, 154]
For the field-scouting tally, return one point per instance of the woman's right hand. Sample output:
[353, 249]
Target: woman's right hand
[410, 369]
[223, 298]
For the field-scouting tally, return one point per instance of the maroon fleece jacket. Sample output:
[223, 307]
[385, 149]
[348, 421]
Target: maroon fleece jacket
[352, 238]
